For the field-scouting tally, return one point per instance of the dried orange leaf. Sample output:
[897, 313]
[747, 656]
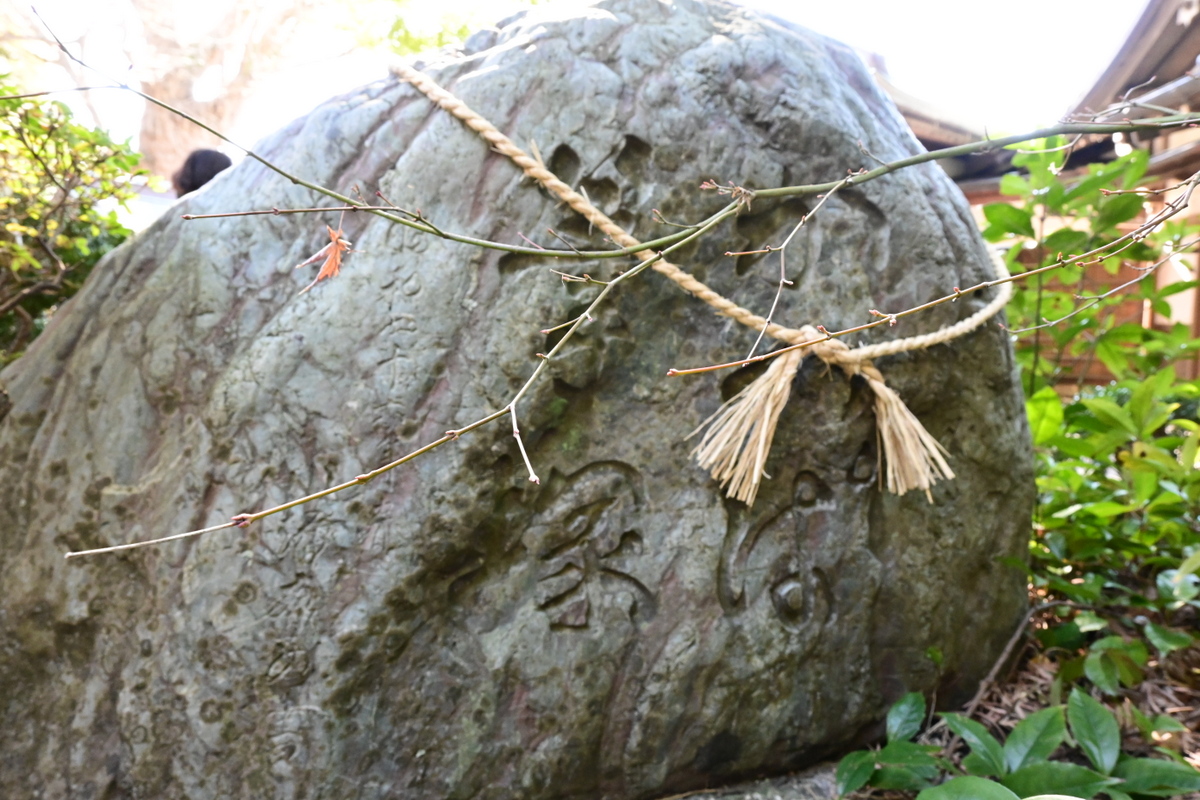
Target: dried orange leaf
[332, 253]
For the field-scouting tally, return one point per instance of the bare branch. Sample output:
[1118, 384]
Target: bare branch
[1091, 257]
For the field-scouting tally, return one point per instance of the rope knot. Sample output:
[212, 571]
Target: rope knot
[738, 436]
[831, 351]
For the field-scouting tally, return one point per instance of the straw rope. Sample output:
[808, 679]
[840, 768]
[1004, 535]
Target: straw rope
[738, 437]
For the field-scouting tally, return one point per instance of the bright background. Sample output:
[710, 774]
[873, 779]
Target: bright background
[1003, 67]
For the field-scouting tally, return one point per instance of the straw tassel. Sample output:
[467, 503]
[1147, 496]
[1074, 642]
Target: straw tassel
[913, 458]
[737, 441]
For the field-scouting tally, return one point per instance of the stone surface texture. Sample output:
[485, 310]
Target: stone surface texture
[451, 630]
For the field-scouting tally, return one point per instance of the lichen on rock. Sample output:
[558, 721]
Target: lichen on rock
[450, 629]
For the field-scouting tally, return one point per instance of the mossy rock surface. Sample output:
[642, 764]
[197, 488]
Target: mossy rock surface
[451, 630]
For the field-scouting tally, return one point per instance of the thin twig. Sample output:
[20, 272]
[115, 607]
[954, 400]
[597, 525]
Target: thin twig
[1169, 210]
[862, 148]
[1143, 190]
[242, 520]
[56, 91]
[990, 678]
[1093, 300]
[783, 281]
[531, 241]
[1152, 123]
[562, 239]
[657, 216]
[424, 226]
[512, 412]
[584, 278]
[535, 249]
[568, 323]
[1068, 147]
[1135, 87]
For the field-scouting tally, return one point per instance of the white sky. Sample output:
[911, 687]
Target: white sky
[1009, 66]
[1004, 66]
[1012, 66]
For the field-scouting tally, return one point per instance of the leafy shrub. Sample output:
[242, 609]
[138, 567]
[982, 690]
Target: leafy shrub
[1115, 533]
[1115, 540]
[59, 185]
[1041, 755]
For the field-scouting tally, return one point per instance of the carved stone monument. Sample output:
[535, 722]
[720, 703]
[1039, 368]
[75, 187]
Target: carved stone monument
[451, 630]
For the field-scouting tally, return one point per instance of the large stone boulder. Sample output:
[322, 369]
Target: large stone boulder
[451, 630]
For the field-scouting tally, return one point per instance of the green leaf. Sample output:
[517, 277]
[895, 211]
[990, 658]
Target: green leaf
[1112, 356]
[1191, 564]
[1176, 288]
[1136, 165]
[975, 764]
[1102, 671]
[1111, 413]
[1115, 210]
[935, 655]
[1142, 722]
[1129, 671]
[1156, 777]
[1067, 636]
[1009, 219]
[905, 779]
[1090, 621]
[1072, 447]
[1064, 513]
[1176, 585]
[854, 771]
[1145, 485]
[1035, 738]
[1014, 185]
[1187, 458]
[905, 717]
[967, 788]
[1045, 413]
[1066, 241]
[1056, 777]
[1095, 729]
[1131, 648]
[981, 742]
[906, 754]
[1164, 722]
[1100, 178]
[1107, 508]
[905, 766]
[1167, 640]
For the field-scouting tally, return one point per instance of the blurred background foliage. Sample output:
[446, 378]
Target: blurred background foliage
[68, 185]
[1115, 534]
[1095, 702]
[60, 185]
[243, 68]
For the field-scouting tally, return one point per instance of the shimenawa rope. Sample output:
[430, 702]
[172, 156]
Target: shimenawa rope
[737, 439]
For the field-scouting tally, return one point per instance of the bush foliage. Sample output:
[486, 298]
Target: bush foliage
[60, 183]
[1115, 532]
[1115, 542]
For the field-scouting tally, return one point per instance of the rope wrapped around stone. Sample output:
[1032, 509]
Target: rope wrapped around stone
[737, 439]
